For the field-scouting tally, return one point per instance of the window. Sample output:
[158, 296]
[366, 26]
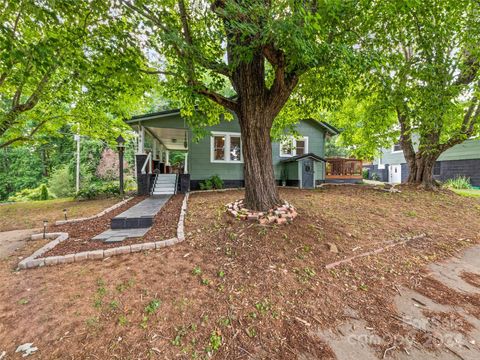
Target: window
[293, 147]
[397, 148]
[437, 168]
[226, 147]
[219, 148]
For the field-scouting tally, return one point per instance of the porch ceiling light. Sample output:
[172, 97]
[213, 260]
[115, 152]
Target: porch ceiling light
[174, 141]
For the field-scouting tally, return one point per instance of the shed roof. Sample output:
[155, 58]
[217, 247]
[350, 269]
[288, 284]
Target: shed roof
[300, 157]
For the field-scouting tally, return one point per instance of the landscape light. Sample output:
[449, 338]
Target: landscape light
[45, 223]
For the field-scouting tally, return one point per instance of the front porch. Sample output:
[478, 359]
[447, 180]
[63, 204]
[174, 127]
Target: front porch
[159, 139]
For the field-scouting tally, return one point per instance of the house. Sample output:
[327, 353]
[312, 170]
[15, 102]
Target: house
[460, 160]
[299, 161]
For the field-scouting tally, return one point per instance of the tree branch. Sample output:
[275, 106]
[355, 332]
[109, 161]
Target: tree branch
[219, 99]
[23, 138]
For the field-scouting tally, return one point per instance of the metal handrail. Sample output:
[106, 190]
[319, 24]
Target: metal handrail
[147, 162]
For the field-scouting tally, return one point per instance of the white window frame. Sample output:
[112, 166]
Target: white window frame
[294, 144]
[396, 151]
[226, 153]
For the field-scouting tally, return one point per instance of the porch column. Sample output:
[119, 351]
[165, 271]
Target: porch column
[160, 151]
[154, 150]
[141, 140]
[185, 164]
[167, 160]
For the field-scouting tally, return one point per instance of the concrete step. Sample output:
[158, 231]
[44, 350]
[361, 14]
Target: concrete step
[163, 192]
[164, 186]
[164, 182]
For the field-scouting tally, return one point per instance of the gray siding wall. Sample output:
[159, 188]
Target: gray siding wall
[469, 149]
[448, 170]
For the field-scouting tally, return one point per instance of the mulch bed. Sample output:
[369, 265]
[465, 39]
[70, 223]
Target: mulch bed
[80, 234]
[471, 278]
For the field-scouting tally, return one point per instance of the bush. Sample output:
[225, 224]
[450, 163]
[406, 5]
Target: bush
[375, 177]
[37, 194]
[213, 182]
[365, 173]
[89, 192]
[97, 190]
[60, 183]
[460, 182]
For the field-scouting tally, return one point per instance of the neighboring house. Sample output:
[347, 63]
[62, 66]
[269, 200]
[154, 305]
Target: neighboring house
[460, 160]
[300, 161]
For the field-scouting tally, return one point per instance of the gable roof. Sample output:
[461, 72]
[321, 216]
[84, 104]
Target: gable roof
[332, 130]
[300, 157]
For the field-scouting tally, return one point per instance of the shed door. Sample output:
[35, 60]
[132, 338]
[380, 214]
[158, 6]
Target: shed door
[308, 174]
[395, 172]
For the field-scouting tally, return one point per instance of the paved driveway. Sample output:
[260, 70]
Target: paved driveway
[13, 240]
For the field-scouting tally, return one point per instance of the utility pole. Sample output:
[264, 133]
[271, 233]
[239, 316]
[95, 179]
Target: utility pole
[77, 139]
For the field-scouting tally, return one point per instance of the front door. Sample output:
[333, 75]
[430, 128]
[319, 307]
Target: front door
[308, 174]
[395, 174]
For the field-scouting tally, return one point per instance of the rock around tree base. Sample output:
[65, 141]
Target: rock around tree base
[280, 215]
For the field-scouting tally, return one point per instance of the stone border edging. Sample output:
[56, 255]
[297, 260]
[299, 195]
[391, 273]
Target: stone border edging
[107, 210]
[32, 261]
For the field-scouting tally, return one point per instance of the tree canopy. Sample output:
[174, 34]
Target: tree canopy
[65, 62]
[424, 81]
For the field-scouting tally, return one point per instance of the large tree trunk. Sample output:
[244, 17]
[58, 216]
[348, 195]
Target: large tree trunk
[260, 187]
[256, 110]
[421, 170]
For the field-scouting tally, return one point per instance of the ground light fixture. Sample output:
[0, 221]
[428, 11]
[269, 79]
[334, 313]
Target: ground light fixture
[45, 223]
[65, 213]
[121, 148]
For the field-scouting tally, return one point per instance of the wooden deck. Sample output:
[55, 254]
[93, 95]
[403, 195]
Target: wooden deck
[343, 168]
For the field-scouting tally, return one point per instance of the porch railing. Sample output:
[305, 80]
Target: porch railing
[343, 168]
[148, 162]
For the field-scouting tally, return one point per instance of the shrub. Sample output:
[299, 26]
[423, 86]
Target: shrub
[89, 192]
[60, 183]
[375, 177]
[43, 192]
[213, 182]
[39, 193]
[460, 182]
[365, 173]
[97, 190]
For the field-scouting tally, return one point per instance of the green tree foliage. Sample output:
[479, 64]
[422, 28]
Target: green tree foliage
[20, 168]
[61, 182]
[264, 52]
[424, 82]
[65, 62]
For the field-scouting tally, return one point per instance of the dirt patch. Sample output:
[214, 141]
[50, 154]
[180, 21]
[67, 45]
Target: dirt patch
[164, 227]
[29, 215]
[240, 290]
[451, 321]
[471, 278]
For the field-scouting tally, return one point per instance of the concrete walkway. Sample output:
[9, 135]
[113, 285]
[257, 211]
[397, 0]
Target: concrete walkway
[13, 240]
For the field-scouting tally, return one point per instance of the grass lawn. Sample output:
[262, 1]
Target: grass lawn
[468, 192]
[28, 215]
[238, 290]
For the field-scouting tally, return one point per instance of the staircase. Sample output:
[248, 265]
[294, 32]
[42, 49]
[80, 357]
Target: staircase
[165, 184]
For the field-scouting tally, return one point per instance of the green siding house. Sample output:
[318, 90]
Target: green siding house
[297, 161]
